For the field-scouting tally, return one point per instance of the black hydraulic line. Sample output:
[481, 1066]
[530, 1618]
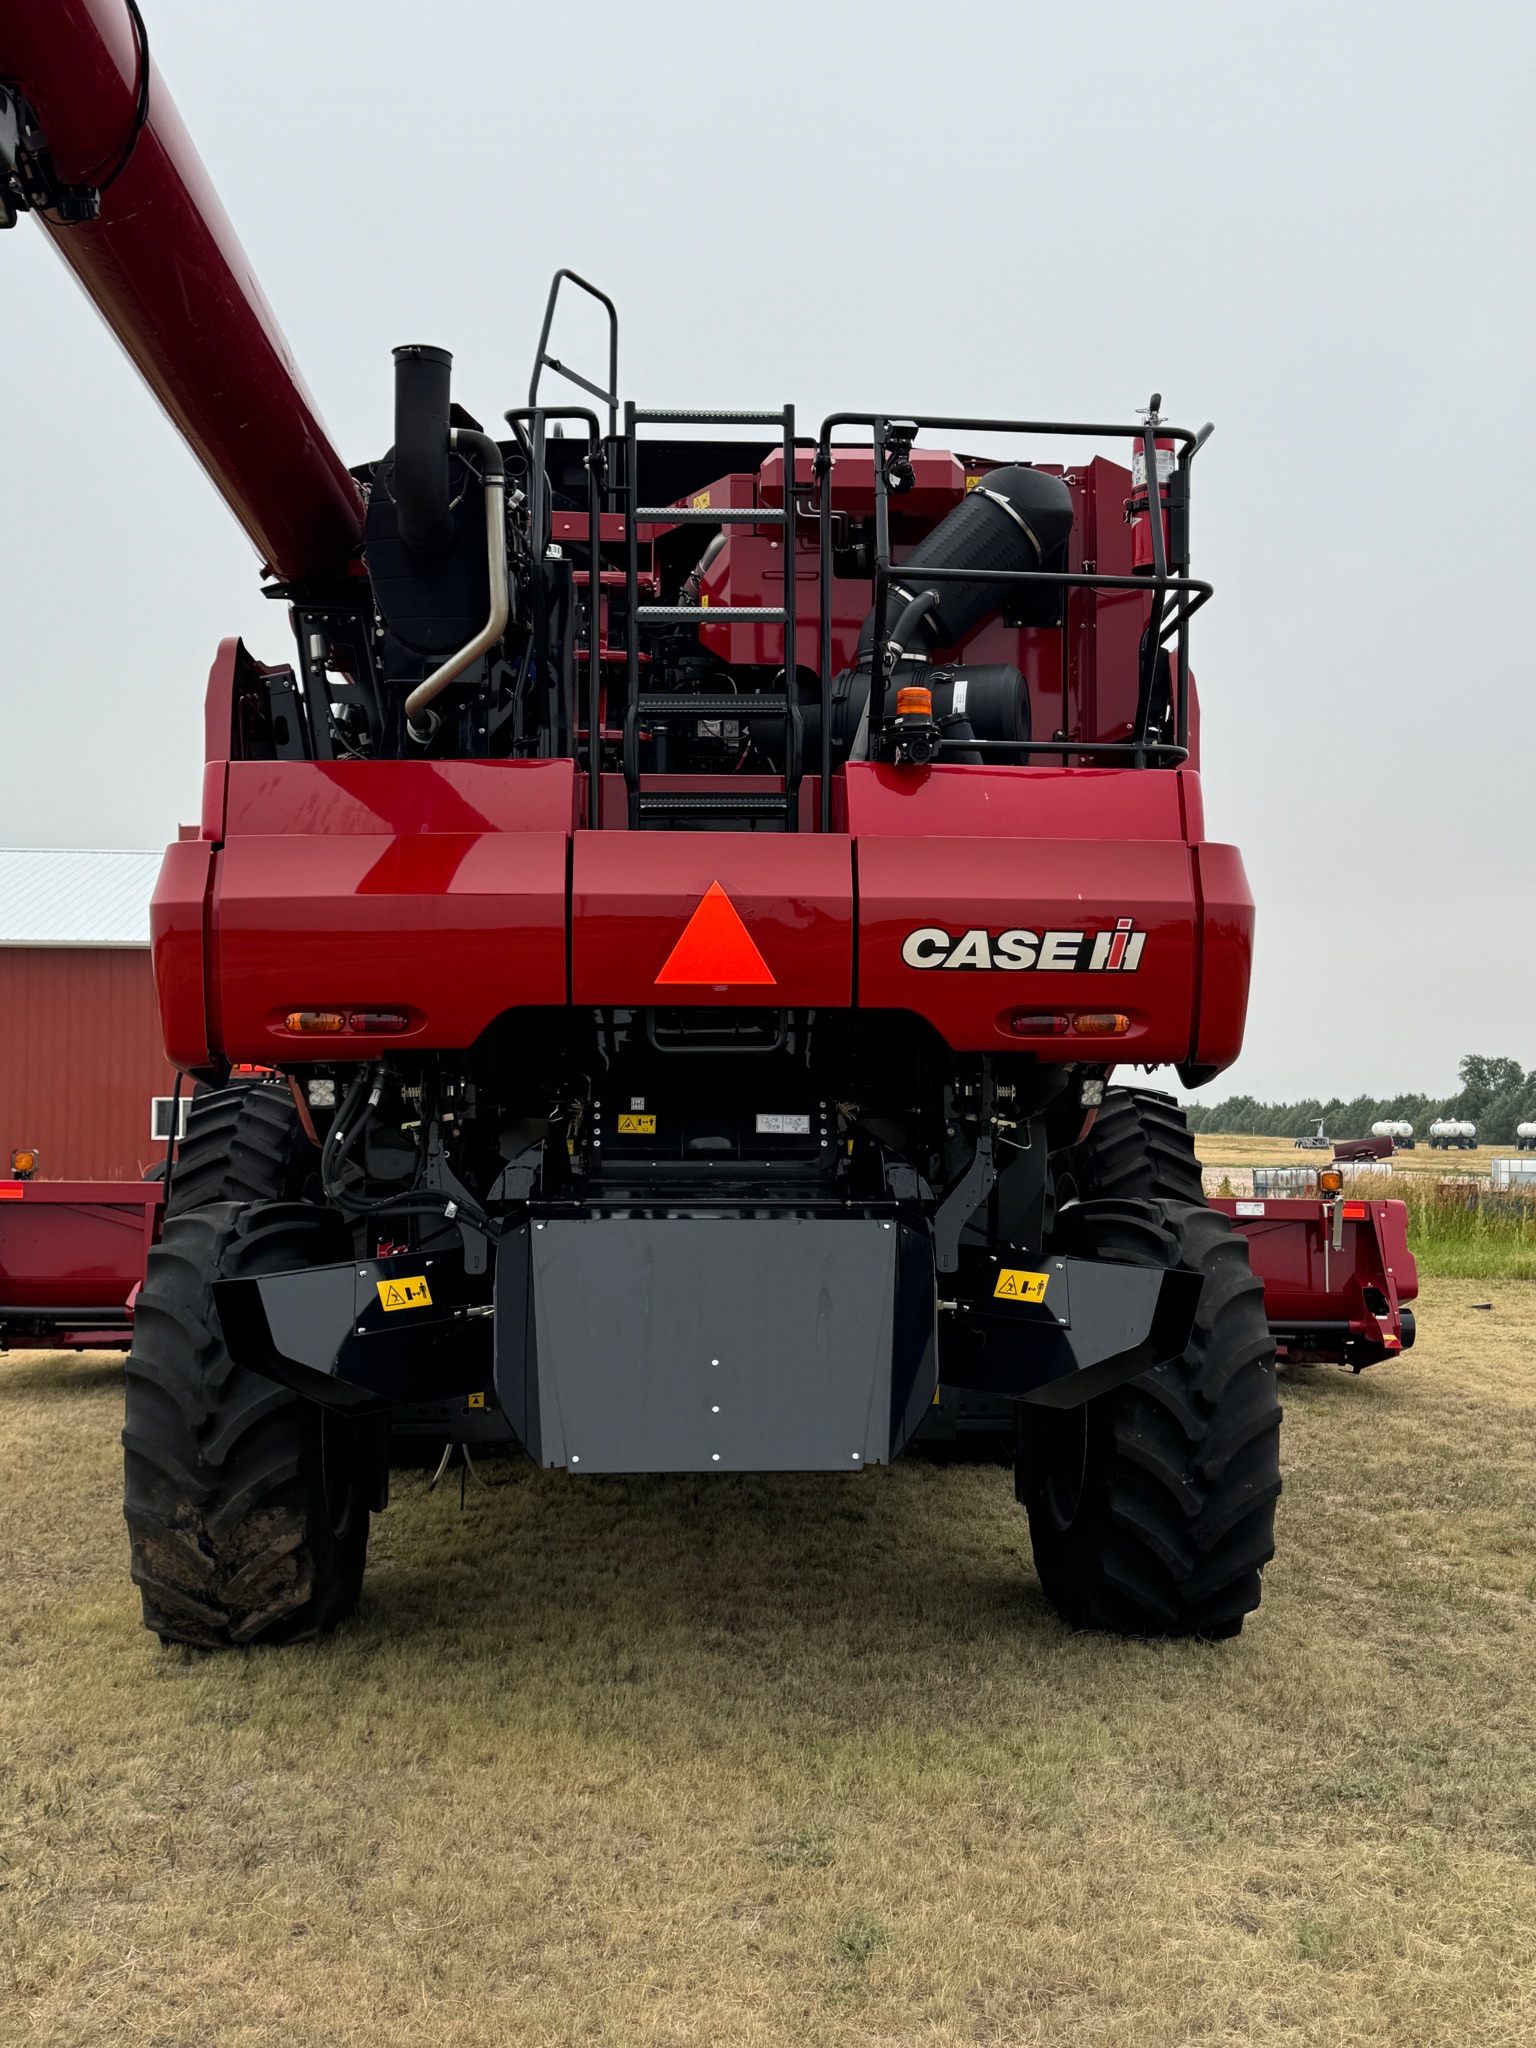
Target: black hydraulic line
[170, 1143]
[515, 417]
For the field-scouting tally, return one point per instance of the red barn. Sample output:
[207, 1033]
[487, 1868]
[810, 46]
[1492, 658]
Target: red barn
[80, 1056]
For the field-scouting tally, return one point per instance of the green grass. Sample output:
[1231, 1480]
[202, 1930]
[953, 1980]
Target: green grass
[1466, 1233]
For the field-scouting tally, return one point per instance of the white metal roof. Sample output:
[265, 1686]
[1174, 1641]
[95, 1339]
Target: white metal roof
[75, 896]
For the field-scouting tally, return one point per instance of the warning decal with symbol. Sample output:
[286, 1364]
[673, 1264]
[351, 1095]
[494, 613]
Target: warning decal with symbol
[413, 1293]
[631, 1126]
[1012, 1285]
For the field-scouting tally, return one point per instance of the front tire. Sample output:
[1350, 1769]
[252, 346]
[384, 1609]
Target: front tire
[1152, 1508]
[247, 1506]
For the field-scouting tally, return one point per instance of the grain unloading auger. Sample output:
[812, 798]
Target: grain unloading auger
[686, 899]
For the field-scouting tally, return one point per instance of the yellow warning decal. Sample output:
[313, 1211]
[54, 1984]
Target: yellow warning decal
[972, 481]
[475, 1401]
[637, 1126]
[701, 501]
[414, 1293]
[1013, 1285]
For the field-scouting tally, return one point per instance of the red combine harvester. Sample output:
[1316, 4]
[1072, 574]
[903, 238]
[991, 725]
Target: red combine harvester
[691, 895]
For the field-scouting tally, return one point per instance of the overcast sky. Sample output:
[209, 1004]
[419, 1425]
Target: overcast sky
[1310, 223]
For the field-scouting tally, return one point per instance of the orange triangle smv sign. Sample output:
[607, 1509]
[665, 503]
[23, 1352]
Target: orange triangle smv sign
[715, 947]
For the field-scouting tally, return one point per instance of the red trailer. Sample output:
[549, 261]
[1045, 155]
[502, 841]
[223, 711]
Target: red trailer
[1337, 1273]
[72, 1257]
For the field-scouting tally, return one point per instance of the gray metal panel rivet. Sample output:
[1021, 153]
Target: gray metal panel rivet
[714, 1457]
[716, 1409]
[714, 1361]
[855, 1457]
[574, 1459]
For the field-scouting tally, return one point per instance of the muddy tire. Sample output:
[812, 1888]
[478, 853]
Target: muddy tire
[247, 1506]
[1139, 1150]
[244, 1143]
[1152, 1509]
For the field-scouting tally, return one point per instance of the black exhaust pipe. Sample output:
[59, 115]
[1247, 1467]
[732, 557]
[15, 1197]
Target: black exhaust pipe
[421, 448]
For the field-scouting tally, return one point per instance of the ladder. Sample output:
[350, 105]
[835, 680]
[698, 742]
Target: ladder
[658, 706]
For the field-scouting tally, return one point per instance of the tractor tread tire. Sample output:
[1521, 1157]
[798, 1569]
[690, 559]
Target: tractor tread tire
[1139, 1149]
[1176, 1474]
[244, 1143]
[247, 1521]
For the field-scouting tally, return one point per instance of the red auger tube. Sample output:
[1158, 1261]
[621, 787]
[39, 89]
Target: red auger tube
[164, 268]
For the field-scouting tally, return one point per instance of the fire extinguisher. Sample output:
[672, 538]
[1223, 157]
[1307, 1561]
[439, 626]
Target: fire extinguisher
[1138, 507]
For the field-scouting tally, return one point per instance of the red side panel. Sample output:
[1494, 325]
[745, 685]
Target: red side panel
[634, 898]
[1226, 955]
[983, 894]
[74, 1244]
[436, 890]
[176, 929]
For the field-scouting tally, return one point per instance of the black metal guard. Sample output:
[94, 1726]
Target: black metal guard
[538, 519]
[544, 360]
[891, 437]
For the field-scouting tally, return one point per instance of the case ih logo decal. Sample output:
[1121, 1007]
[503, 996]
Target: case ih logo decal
[1113, 952]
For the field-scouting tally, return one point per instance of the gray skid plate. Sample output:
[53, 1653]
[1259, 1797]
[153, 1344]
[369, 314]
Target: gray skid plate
[714, 1343]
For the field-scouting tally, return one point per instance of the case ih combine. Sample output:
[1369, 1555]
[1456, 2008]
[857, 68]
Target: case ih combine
[690, 888]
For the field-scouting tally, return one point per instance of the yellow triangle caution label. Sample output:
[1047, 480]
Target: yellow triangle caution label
[1013, 1285]
[412, 1293]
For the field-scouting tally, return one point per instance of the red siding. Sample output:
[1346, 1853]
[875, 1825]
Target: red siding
[80, 1060]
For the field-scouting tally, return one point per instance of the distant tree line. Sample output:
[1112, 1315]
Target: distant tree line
[1495, 1095]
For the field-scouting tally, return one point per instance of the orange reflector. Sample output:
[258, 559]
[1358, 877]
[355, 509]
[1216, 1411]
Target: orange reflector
[11, 1190]
[1329, 1182]
[1039, 1023]
[379, 1020]
[715, 947]
[1354, 1212]
[314, 1020]
[914, 700]
[1101, 1023]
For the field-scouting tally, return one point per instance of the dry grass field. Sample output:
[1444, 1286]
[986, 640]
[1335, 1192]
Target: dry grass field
[789, 1761]
[1224, 1148]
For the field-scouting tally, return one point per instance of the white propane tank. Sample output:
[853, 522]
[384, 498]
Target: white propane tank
[1525, 1137]
[1452, 1133]
[1392, 1127]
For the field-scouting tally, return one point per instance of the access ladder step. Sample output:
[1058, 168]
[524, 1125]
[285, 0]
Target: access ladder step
[765, 803]
[701, 515]
[711, 614]
[662, 705]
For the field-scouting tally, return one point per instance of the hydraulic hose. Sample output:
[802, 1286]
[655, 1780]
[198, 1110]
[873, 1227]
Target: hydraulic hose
[494, 477]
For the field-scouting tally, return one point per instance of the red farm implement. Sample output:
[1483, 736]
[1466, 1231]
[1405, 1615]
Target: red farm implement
[693, 883]
[1337, 1273]
[72, 1256]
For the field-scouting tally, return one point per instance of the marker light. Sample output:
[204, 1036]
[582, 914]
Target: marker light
[1329, 1181]
[314, 1020]
[914, 700]
[379, 1020]
[23, 1163]
[1101, 1023]
[1039, 1024]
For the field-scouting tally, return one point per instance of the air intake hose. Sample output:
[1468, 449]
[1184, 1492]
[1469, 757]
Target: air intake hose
[1014, 518]
[420, 482]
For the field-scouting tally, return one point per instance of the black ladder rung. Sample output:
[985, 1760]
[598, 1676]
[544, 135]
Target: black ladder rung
[661, 704]
[711, 614]
[765, 803]
[669, 418]
[701, 515]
